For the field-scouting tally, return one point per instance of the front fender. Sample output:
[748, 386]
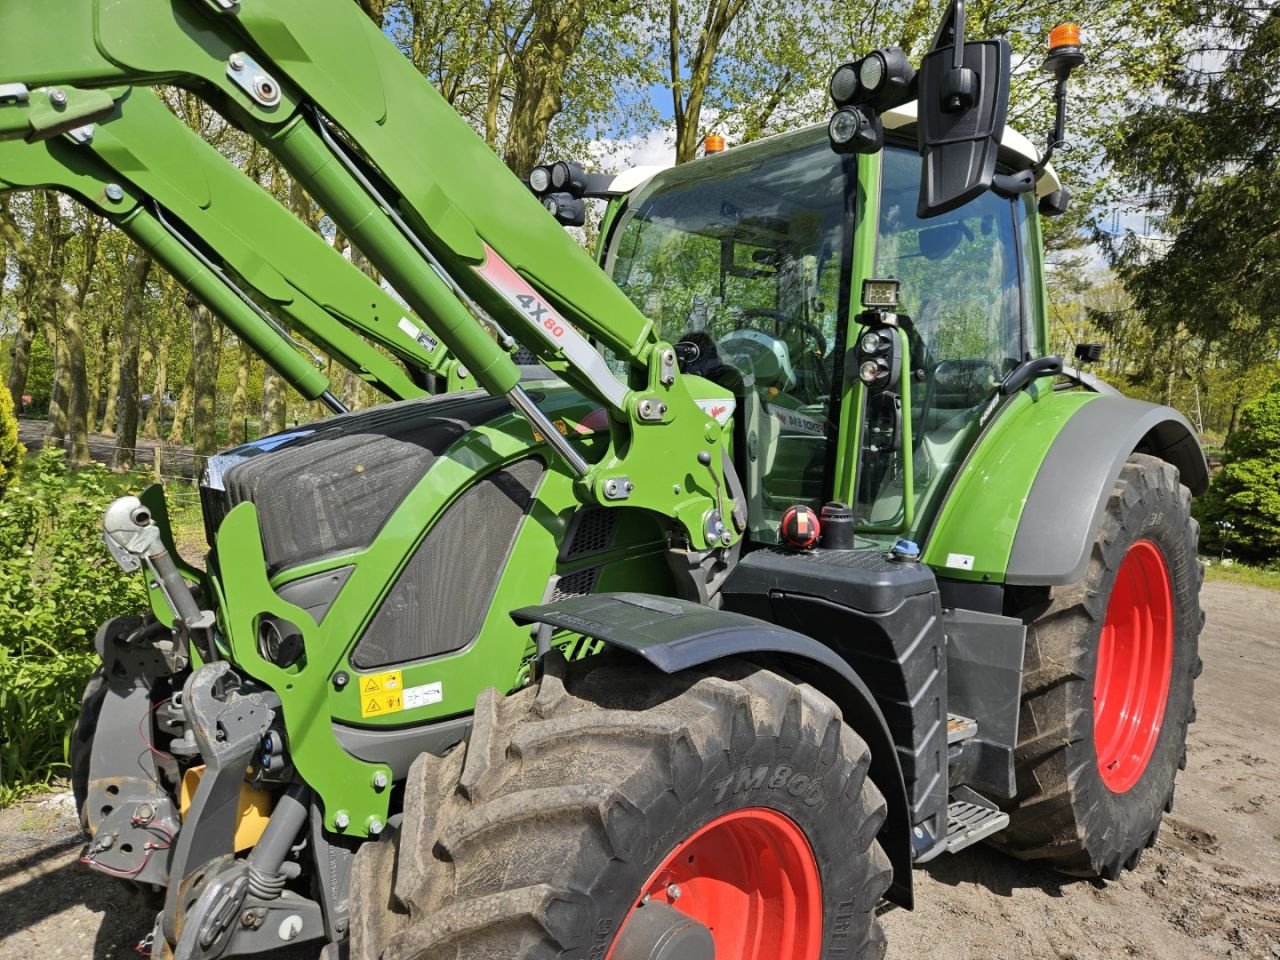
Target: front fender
[675, 635]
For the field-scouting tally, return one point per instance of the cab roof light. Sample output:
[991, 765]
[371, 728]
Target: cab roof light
[714, 143]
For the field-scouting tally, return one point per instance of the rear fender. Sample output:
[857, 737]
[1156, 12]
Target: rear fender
[1066, 502]
[676, 635]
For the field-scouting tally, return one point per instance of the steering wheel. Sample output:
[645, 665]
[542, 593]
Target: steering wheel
[762, 355]
[781, 323]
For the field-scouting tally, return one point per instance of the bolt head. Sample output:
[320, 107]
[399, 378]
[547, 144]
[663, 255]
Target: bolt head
[58, 97]
[342, 820]
[380, 780]
[674, 891]
[115, 192]
[375, 826]
[236, 61]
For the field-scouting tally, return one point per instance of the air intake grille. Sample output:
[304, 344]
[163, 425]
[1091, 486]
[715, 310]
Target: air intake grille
[592, 532]
[575, 584]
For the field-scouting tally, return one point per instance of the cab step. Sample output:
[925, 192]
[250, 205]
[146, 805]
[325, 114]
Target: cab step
[960, 728]
[969, 821]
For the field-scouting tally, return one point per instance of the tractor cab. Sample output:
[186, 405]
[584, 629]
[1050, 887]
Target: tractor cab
[754, 262]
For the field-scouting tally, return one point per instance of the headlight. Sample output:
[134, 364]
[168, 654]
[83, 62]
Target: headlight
[844, 84]
[870, 342]
[871, 371]
[844, 125]
[871, 72]
[540, 179]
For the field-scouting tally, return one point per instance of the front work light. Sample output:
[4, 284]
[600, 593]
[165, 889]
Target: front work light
[566, 208]
[568, 177]
[880, 294]
[853, 130]
[844, 84]
[540, 179]
[885, 78]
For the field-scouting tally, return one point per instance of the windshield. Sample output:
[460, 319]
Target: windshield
[739, 258]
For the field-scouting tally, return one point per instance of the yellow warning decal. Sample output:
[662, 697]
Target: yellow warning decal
[381, 693]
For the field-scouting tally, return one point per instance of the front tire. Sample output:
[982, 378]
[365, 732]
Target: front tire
[739, 799]
[1108, 682]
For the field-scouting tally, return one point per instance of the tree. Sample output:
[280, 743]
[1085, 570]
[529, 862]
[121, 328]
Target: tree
[130, 345]
[1204, 153]
[1246, 494]
[11, 451]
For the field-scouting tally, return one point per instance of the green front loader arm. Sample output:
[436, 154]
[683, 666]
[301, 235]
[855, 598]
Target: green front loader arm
[460, 238]
[220, 221]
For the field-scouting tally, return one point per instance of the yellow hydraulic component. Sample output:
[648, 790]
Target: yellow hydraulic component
[255, 808]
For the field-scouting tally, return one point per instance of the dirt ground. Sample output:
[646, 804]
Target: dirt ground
[1209, 889]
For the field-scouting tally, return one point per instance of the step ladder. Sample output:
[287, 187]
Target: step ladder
[960, 728]
[970, 818]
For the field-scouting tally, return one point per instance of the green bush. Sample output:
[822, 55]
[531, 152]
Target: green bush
[1246, 494]
[57, 584]
[11, 451]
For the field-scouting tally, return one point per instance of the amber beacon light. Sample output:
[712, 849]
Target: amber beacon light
[714, 143]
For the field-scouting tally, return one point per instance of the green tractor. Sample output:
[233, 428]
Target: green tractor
[773, 556]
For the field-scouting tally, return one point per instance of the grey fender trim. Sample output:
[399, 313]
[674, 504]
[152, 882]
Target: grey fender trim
[1065, 505]
[675, 635]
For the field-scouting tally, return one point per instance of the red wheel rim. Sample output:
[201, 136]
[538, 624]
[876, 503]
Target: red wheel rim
[749, 877]
[1135, 658]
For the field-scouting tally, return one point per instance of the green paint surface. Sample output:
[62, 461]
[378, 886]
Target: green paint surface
[980, 516]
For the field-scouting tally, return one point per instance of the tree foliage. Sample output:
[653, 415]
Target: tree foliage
[11, 451]
[1203, 154]
[1246, 494]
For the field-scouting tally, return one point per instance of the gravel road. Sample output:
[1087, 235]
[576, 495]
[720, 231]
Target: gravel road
[1209, 889]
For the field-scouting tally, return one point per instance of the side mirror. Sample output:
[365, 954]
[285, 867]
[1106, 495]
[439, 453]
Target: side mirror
[964, 99]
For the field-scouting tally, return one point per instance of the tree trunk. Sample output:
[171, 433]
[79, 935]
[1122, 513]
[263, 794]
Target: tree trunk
[89, 231]
[22, 338]
[204, 385]
[130, 346]
[237, 431]
[151, 426]
[539, 71]
[55, 430]
[688, 95]
[78, 408]
[182, 409]
[108, 428]
[274, 409]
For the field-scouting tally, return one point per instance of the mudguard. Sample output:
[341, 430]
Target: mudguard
[675, 635]
[1065, 504]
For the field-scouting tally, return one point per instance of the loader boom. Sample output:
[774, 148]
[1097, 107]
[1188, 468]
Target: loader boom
[404, 177]
[205, 220]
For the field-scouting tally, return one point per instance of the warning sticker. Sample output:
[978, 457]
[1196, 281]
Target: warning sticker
[960, 561]
[424, 695]
[381, 693]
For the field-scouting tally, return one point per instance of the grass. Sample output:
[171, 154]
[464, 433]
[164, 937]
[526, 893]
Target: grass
[1242, 573]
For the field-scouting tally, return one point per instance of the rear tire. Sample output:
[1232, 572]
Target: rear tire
[538, 838]
[1095, 775]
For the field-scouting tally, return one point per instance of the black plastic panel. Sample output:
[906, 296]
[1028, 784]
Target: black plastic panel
[328, 487]
[884, 619]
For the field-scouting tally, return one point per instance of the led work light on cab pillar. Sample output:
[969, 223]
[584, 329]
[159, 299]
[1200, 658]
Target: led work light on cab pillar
[877, 364]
